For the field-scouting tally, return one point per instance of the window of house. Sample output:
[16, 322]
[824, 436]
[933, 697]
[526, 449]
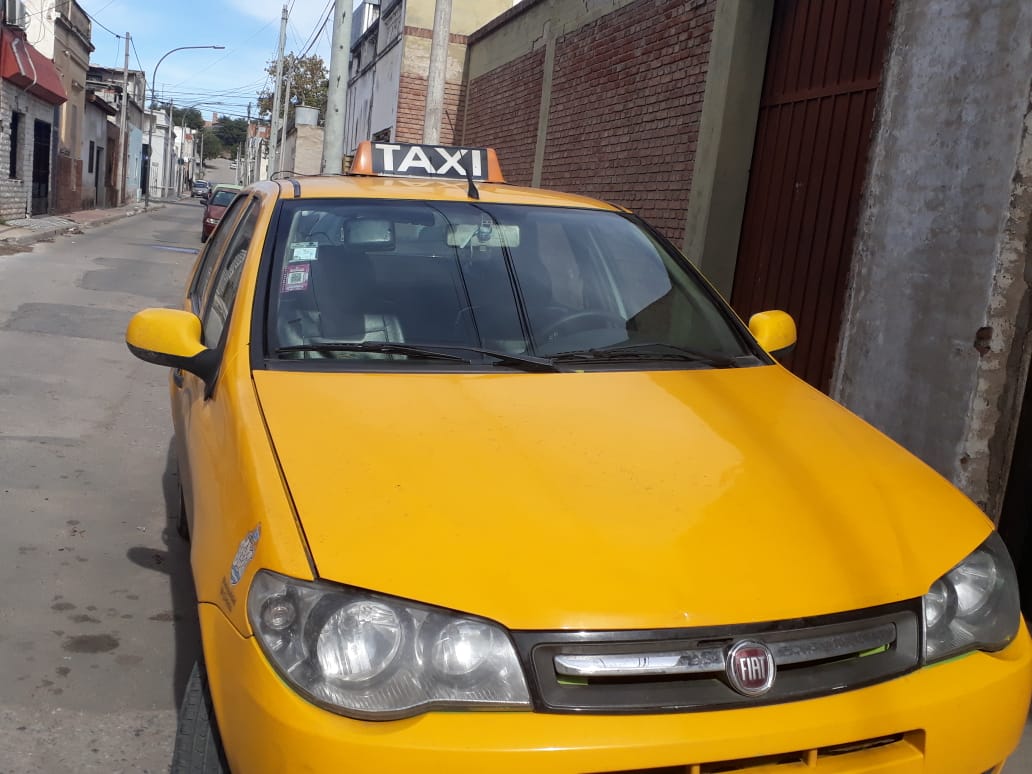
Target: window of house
[13, 166]
[89, 161]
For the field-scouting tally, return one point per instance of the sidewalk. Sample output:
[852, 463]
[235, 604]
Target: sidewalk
[26, 231]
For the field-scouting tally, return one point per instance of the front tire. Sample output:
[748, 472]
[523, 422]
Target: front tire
[198, 747]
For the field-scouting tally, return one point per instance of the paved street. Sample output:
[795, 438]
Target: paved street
[97, 627]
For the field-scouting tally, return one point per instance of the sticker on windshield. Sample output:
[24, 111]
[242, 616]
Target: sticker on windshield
[303, 251]
[244, 554]
[295, 277]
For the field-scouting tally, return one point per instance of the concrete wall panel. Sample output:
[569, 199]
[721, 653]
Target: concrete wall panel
[942, 169]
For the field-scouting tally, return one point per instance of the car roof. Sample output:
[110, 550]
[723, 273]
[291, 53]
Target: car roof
[227, 187]
[371, 187]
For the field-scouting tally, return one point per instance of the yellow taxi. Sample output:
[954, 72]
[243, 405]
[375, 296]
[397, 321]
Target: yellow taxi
[482, 478]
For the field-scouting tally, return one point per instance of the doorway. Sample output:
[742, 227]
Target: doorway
[1016, 515]
[100, 179]
[817, 106]
[40, 168]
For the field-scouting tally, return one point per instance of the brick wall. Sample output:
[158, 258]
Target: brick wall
[502, 113]
[412, 109]
[623, 120]
[15, 192]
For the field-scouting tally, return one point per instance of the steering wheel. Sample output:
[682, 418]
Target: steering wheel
[582, 321]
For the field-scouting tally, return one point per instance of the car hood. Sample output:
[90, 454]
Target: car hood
[609, 500]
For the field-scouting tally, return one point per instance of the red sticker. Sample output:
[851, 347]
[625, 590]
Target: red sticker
[295, 277]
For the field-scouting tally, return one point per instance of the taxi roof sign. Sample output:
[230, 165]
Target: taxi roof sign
[398, 159]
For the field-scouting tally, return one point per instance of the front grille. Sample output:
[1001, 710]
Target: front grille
[684, 670]
[892, 748]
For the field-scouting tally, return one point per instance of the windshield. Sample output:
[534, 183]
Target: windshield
[549, 284]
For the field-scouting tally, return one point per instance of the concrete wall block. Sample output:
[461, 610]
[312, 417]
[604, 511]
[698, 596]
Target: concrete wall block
[929, 257]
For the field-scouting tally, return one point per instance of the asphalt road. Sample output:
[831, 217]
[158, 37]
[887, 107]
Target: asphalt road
[218, 171]
[97, 622]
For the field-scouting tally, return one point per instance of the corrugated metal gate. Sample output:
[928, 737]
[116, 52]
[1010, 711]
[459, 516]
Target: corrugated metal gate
[824, 65]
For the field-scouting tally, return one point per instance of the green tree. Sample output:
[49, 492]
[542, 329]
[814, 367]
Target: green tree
[212, 144]
[309, 80]
[231, 132]
[194, 119]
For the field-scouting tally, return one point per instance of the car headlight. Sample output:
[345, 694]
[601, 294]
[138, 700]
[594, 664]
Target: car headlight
[376, 657]
[974, 606]
[211, 221]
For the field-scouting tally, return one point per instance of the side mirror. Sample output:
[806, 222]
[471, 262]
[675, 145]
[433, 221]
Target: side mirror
[171, 337]
[775, 331]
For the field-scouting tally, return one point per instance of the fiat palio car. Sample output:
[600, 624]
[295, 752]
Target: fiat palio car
[482, 478]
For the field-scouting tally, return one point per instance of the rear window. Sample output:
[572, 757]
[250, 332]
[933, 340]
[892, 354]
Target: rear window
[222, 198]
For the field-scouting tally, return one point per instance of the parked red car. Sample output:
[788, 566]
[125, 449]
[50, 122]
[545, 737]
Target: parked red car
[219, 198]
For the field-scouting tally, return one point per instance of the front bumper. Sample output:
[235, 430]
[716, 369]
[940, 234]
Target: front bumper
[959, 717]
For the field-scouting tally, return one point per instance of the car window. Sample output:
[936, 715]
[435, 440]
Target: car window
[518, 279]
[226, 279]
[212, 252]
[221, 198]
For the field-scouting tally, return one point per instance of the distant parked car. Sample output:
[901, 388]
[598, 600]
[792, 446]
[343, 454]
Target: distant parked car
[218, 199]
[200, 188]
[232, 165]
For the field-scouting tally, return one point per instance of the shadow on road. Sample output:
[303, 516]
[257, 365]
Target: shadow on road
[174, 562]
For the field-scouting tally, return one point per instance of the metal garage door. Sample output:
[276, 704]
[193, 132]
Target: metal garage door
[824, 65]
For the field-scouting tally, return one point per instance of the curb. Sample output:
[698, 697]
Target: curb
[31, 237]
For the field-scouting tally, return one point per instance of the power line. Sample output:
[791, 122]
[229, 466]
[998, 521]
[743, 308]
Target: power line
[315, 37]
[98, 23]
[133, 43]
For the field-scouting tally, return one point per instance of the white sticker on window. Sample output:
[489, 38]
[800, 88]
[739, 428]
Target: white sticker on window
[303, 251]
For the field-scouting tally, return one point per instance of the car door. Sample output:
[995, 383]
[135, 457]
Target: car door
[212, 293]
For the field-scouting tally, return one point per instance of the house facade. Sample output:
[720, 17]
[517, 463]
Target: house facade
[158, 129]
[31, 93]
[62, 32]
[107, 83]
[99, 152]
[390, 57]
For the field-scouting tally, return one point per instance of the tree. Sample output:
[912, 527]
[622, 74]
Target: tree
[231, 132]
[212, 144]
[194, 119]
[309, 80]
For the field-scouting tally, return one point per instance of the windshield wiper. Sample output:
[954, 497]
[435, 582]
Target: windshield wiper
[523, 362]
[380, 347]
[653, 350]
[424, 351]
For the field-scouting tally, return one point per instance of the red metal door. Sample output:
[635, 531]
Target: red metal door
[824, 65]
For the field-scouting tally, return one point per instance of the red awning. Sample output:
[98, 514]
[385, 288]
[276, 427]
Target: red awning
[28, 69]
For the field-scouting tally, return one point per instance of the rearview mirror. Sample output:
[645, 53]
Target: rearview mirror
[370, 233]
[170, 337]
[775, 331]
[485, 235]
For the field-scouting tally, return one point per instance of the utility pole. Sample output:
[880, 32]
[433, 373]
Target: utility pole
[248, 179]
[438, 72]
[336, 94]
[120, 182]
[170, 151]
[283, 123]
[276, 91]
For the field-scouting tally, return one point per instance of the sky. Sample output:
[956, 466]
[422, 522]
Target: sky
[218, 81]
